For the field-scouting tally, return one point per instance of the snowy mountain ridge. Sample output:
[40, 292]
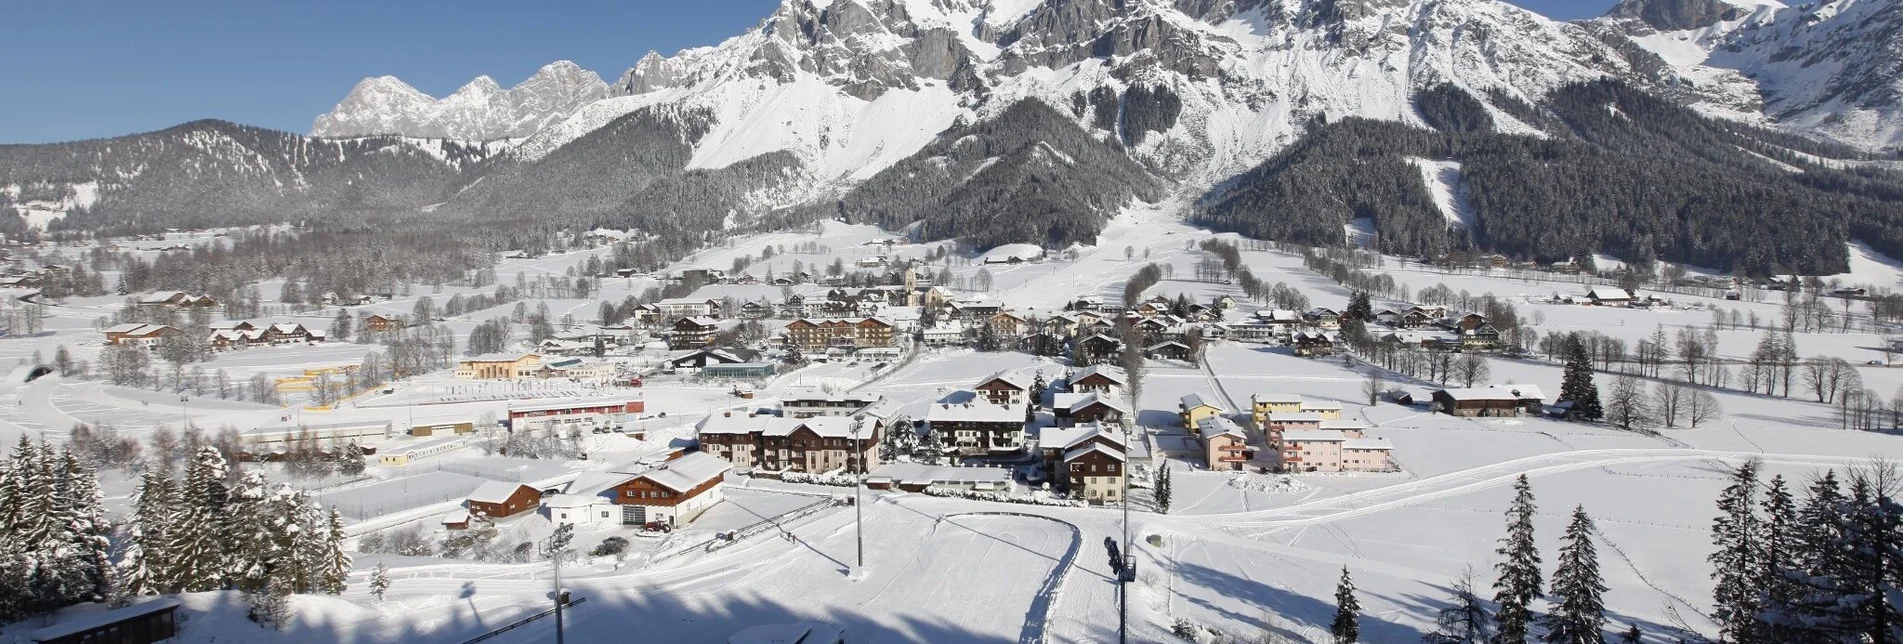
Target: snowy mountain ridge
[1829, 67]
[479, 111]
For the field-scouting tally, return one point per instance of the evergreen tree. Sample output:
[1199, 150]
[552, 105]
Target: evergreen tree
[334, 572]
[195, 551]
[1579, 611]
[1520, 578]
[143, 564]
[1869, 593]
[1346, 628]
[1576, 386]
[91, 552]
[1737, 568]
[379, 581]
[1360, 307]
[1781, 544]
[249, 560]
[1819, 565]
[1163, 491]
[1466, 620]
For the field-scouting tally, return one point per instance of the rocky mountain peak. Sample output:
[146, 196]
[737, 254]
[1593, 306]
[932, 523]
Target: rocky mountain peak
[480, 110]
[1677, 15]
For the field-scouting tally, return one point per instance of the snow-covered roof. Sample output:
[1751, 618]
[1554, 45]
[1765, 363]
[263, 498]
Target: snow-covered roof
[1295, 417]
[1193, 401]
[1276, 399]
[1093, 447]
[1524, 392]
[572, 501]
[1367, 443]
[976, 410]
[1342, 424]
[687, 472]
[1011, 378]
[1217, 426]
[1320, 405]
[1480, 393]
[457, 516]
[687, 301]
[1066, 437]
[818, 394]
[500, 357]
[1074, 401]
[1109, 371]
[824, 426]
[1608, 293]
[1313, 435]
[729, 423]
[494, 492]
[90, 621]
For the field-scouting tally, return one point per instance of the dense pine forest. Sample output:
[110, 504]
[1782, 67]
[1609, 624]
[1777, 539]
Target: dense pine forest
[1626, 174]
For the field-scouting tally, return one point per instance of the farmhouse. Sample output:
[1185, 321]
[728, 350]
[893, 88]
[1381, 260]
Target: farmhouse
[1072, 408]
[145, 335]
[674, 493]
[977, 426]
[380, 323]
[177, 298]
[1478, 401]
[1609, 296]
[1006, 388]
[1309, 344]
[697, 359]
[1082, 457]
[1099, 378]
[498, 499]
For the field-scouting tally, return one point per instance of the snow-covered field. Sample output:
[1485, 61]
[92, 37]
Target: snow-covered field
[1238, 551]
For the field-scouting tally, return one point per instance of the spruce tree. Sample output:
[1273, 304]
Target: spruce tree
[1579, 611]
[1346, 628]
[1869, 598]
[379, 581]
[248, 561]
[143, 564]
[195, 552]
[1466, 620]
[1782, 546]
[1737, 568]
[1820, 564]
[13, 562]
[1163, 491]
[91, 553]
[334, 573]
[1576, 385]
[1520, 578]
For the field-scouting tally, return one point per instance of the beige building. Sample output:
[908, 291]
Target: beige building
[1333, 451]
[499, 366]
[1261, 406]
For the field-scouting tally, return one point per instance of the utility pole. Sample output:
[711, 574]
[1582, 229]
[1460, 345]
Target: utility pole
[558, 544]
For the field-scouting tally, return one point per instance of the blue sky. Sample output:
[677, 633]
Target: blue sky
[107, 67]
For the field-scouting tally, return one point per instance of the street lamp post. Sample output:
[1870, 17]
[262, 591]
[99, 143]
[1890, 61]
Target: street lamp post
[558, 544]
[858, 500]
[184, 413]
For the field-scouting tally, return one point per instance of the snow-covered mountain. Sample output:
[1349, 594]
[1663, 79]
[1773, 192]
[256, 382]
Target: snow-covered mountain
[1827, 67]
[852, 86]
[479, 111]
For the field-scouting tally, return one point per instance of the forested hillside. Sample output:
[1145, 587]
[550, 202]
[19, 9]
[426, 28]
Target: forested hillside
[1029, 175]
[1624, 173]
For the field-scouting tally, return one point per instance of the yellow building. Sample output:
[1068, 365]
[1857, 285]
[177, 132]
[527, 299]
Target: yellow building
[1193, 409]
[499, 366]
[1261, 405]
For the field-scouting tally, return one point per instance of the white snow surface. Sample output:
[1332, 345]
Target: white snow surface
[1443, 182]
